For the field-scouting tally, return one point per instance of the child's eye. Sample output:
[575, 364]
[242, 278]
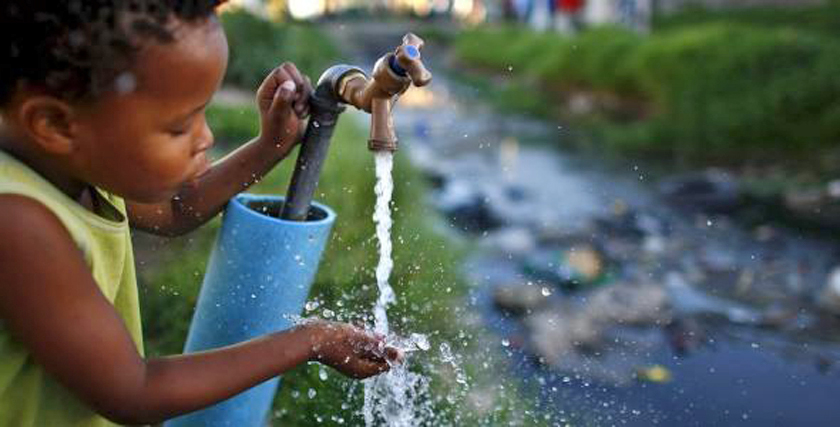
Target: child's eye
[178, 132]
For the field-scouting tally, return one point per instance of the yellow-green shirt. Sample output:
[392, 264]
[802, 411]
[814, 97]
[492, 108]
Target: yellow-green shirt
[29, 396]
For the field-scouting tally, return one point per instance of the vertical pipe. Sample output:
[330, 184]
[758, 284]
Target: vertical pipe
[313, 151]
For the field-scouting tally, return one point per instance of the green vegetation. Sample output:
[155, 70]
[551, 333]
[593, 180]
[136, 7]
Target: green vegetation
[258, 45]
[822, 19]
[698, 92]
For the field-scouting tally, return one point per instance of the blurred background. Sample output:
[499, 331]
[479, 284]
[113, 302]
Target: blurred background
[607, 212]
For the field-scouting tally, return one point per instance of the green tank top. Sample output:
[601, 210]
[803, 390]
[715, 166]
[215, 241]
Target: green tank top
[29, 396]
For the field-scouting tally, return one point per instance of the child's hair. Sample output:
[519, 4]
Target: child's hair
[76, 49]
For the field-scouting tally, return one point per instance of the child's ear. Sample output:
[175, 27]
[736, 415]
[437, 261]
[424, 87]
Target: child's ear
[48, 122]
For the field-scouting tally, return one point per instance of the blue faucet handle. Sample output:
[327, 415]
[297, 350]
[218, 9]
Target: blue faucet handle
[407, 61]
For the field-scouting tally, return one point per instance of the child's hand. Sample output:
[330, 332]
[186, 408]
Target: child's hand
[283, 100]
[352, 351]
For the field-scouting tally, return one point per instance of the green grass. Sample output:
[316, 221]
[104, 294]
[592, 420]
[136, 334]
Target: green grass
[257, 46]
[824, 19]
[705, 92]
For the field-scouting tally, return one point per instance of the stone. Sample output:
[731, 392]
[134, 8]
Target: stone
[520, 298]
[712, 191]
[637, 305]
[829, 297]
[511, 240]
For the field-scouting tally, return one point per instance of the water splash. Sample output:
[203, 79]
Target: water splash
[398, 397]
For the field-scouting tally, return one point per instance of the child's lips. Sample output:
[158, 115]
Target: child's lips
[202, 170]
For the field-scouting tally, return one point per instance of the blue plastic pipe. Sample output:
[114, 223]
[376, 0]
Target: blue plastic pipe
[258, 278]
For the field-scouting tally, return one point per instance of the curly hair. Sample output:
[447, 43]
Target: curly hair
[76, 49]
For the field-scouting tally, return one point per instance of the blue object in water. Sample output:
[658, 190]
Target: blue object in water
[257, 280]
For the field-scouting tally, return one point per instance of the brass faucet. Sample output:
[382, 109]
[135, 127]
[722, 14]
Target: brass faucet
[392, 75]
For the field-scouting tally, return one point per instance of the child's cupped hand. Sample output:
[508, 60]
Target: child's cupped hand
[352, 351]
[283, 101]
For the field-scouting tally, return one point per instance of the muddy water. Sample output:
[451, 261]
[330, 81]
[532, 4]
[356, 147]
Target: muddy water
[739, 340]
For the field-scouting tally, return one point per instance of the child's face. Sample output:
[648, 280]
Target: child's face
[146, 143]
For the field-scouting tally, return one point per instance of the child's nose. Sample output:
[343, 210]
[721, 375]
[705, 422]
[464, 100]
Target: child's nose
[205, 139]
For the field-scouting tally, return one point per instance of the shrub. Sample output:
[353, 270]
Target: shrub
[257, 46]
[707, 90]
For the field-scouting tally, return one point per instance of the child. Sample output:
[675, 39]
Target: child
[102, 105]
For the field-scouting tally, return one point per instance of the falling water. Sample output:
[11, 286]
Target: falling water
[398, 397]
[382, 217]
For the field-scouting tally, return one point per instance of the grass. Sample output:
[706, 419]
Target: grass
[705, 92]
[257, 46]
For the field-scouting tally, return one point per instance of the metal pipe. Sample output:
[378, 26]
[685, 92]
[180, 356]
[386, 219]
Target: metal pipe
[325, 107]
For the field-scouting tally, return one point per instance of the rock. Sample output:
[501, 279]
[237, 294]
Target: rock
[637, 305]
[815, 206]
[466, 207]
[654, 245]
[589, 337]
[511, 240]
[765, 233]
[687, 300]
[519, 298]
[833, 189]
[685, 335]
[803, 200]
[474, 217]
[555, 333]
[584, 346]
[456, 193]
[779, 315]
[711, 191]
[829, 297]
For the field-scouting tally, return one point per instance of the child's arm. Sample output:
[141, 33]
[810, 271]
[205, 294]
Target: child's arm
[50, 303]
[199, 201]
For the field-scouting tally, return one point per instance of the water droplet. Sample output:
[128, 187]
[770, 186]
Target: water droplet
[322, 374]
[311, 305]
[312, 393]
[505, 342]
[421, 341]
[546, 292]
[328, 313]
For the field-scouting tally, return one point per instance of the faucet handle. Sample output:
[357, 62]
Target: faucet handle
[408, 58]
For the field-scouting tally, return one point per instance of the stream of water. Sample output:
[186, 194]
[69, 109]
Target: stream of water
[399, 397]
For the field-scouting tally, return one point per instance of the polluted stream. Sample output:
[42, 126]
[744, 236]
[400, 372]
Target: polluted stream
[619, 298]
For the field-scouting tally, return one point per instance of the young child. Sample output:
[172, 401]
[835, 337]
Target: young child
[102, 105]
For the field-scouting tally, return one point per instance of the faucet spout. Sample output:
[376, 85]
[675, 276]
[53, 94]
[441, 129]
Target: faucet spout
[392, 75]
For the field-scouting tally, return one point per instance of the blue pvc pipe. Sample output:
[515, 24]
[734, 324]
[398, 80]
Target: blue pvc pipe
[259, 275]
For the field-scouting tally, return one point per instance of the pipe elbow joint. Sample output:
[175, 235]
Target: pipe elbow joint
[331, 81]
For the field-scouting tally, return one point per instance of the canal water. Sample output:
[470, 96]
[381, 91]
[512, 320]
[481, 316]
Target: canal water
[733, 336]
